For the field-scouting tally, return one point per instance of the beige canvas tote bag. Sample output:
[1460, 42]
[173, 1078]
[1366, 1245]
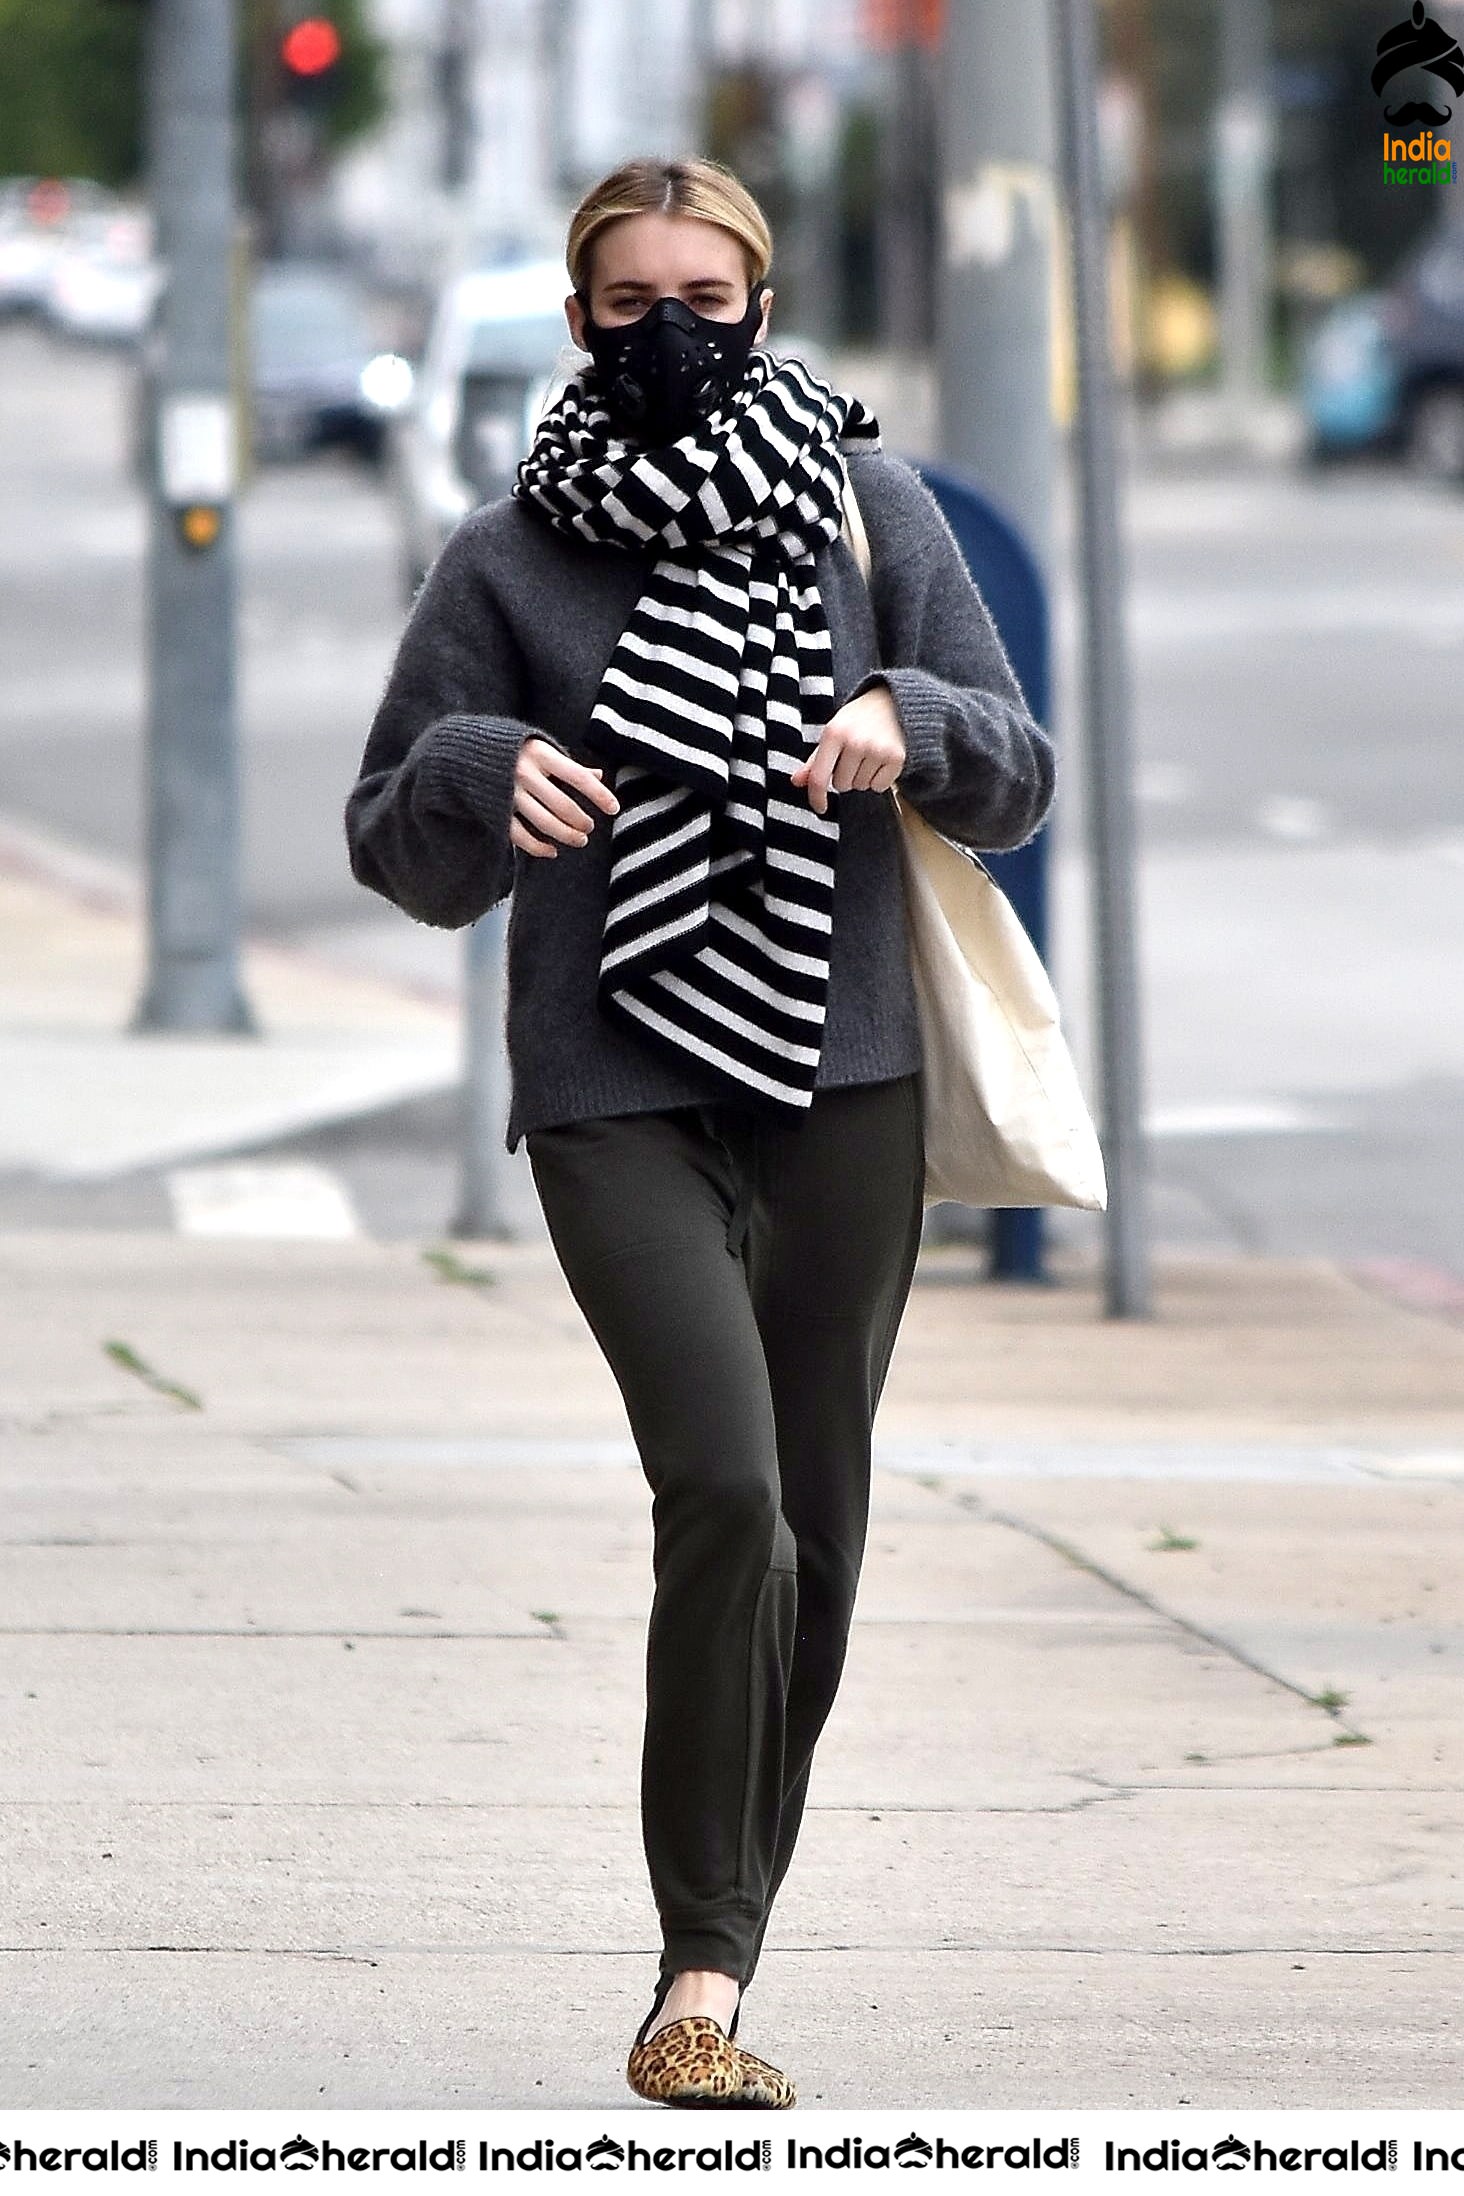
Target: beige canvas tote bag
[1005, 1118]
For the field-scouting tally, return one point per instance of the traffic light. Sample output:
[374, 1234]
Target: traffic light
[310, 53]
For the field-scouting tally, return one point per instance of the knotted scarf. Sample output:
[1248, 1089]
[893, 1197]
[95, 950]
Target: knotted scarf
[719, 911]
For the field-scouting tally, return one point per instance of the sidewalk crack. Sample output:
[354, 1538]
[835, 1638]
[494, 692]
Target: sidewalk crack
[1347, 1733]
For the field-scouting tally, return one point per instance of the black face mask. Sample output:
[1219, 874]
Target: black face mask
[663, 374]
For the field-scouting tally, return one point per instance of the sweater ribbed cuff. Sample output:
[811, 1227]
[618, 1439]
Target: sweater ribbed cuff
[924, 715]
[467, 768]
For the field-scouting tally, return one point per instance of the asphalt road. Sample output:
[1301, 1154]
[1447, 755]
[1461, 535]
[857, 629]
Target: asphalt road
[1298, 654]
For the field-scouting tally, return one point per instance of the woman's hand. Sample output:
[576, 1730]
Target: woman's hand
[542, 809]
[860, 750]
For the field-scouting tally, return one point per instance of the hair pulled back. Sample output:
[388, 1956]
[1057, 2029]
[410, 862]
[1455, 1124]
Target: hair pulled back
[702, 189]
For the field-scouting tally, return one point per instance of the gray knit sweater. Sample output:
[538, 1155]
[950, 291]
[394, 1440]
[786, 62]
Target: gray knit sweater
[510, 636]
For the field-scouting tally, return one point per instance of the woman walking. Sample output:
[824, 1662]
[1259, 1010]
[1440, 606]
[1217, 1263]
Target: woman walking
[650, 694]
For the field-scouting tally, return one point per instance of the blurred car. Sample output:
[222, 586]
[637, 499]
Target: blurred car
[1385, 371]
[497, 355]
[39, 215]
[318, 375]
[1349, 379]
[103, 281]
[496, 344]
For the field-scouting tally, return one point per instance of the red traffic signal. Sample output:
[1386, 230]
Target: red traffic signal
[312, 47]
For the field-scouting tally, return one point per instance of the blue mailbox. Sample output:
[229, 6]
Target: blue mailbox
[1011, 582]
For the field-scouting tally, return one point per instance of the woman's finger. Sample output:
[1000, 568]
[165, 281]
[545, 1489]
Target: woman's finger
[552, 764]
[820, 769]
[520, 835]
[554, 799]
[847, 768]
[547, 823]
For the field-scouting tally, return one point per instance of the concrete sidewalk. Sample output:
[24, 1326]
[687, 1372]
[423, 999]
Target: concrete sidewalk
[325, 1571]
[85, 1101]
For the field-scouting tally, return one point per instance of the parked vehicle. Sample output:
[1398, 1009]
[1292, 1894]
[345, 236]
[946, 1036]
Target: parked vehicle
[1349, 380]
[103, 281]
[1385, 371]
[495, 345]
[318, 375]
[497, 354]
[39, 216]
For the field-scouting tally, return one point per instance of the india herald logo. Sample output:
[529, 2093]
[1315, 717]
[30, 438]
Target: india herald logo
[1419, 44]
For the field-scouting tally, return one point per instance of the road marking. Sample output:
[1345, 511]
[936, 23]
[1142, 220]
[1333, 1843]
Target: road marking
[1164, 785]
[1292, 817]
[1240, 1117]
[279, 1200]
[1162, 618]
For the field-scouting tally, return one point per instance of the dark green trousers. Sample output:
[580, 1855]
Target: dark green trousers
[744, 1277]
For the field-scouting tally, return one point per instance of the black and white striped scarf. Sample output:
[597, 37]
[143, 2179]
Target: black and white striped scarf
[719, 913]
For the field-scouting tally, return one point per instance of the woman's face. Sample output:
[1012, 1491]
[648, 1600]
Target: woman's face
[647, 256]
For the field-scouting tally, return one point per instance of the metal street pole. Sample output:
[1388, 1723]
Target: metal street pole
[904, 285]
[484, 1097]
[455, 95]
[995, 312]
[1109, 774]
[193, 893]
[1244, 132]
[483, 1091]
[994, 347]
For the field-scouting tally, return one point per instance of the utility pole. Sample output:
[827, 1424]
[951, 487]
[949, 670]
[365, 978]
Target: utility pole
[1131, 36]
[994, 349]
[810, 119]
[907, 160]
[484, 1094]
[1244, 145]
[994, 326]
[454, 93]
[193, 890]
[1109, 773]
[483, 1090]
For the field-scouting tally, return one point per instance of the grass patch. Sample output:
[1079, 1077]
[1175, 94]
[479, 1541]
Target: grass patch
[1168, 1542]
[123, 1354]
[1329, 1699]
[448, 1266]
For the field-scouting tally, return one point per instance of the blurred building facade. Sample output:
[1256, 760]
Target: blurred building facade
[501, 112]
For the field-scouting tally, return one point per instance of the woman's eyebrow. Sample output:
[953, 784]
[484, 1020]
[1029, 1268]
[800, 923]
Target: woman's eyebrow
[697, 282]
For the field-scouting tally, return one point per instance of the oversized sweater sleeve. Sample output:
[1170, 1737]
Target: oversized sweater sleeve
[427, 821]
[977, 764]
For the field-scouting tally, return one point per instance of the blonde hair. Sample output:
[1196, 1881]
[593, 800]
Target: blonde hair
[702, 189]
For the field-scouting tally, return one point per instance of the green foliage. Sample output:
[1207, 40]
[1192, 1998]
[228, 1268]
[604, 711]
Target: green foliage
[1328, 182]
[70, 88]
[71, 84]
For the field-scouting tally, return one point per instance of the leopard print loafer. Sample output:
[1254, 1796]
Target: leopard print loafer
[688, 2062]
[762, 2084]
